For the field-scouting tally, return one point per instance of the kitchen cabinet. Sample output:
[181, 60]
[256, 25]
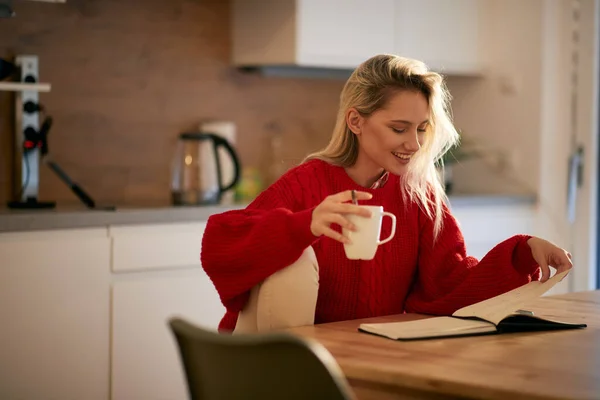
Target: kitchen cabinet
[310, 33]
[443, 34]
[360, 30]
[85, 311]
[156, 246]
[485, 225]
[145, 360]
[157, 275]
[340, 34]
[54, 306]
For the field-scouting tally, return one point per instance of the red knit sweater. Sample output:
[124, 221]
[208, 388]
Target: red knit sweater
[241, 248]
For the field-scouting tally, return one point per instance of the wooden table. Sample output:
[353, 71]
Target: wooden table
[534, 365]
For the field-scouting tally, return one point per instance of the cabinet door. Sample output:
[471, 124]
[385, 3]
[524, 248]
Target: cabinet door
[484, 226]
[156, 246]
[444, 34]
[343, 33]
[145, 359]
[54, 308]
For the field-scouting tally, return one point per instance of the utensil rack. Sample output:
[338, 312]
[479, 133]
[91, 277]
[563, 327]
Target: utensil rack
[31, 142]
[27, 120]
[22, 86]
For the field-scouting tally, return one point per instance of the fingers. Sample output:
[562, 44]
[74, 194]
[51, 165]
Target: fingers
[347, 208]
[563, 262]
[335, 235]
[323, 226]
[545, 272]
[340, 220]
[333, 210]
[347, 196]
[548, 254]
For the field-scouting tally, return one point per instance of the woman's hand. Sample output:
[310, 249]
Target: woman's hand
[548, 254]
[332, 210]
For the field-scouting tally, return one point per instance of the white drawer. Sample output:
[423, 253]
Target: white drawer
[493, 224]
[160, 246]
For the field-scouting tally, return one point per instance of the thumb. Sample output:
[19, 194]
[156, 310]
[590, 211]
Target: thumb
[545, 271]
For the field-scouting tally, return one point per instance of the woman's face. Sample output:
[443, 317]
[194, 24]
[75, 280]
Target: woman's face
[389, 137]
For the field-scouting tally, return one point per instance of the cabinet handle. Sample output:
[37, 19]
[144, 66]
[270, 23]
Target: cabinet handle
[575, 181]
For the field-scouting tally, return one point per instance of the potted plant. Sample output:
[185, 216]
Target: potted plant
[463, 150]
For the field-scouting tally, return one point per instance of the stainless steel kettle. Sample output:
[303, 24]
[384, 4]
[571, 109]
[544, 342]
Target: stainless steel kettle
[197, 170]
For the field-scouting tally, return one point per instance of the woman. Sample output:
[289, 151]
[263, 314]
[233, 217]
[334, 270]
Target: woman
[280, 262]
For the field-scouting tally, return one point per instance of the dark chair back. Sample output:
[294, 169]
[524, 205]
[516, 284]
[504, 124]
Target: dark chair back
[256, 366]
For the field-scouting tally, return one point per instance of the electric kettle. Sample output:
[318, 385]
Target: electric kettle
[197, 169]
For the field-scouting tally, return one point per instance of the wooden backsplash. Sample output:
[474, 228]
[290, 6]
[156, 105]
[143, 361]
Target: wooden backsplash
[129, 75]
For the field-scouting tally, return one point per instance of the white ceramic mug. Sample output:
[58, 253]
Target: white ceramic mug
[365, 239]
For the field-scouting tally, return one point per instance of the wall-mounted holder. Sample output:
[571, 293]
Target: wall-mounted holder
[27, 124]
[7, 11]
[31, 141]
[19, 87]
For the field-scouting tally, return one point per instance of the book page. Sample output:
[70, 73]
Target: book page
[428, 328]
[499, 307]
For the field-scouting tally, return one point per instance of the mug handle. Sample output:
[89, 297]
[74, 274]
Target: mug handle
[393, 217]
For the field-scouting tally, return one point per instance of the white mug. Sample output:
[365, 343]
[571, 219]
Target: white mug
[365, 239]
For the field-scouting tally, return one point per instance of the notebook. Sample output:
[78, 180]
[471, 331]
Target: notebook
[499, 314]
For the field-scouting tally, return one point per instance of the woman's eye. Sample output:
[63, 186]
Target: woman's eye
[423, 130]
[399, 130]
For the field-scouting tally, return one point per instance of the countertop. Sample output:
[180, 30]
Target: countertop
[71, 218]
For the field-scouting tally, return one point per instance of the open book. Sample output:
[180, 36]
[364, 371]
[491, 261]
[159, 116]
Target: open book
[499, 314]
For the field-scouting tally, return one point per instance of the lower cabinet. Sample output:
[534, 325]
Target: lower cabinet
[484, 226]
[156, 276]
[85, 311]
[54, 313]
[145, 362]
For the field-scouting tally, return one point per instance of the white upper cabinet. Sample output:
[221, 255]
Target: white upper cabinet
[310, 33]
[343, 33]
[444, 34]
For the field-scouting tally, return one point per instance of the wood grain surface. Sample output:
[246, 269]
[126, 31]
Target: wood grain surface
[540, 365]
[128, 76]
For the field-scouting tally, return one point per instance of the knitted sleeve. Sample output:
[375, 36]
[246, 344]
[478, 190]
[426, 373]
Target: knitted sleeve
[448, 279]
[241, 248]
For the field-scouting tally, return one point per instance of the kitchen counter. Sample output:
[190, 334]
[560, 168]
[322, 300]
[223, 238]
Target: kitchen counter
[474, 200]
[69, 218]
[30, 220]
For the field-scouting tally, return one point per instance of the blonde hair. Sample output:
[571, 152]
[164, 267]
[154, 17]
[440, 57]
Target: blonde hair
[368, 89]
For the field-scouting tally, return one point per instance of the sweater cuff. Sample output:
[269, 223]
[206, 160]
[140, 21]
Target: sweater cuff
[523, 260]
[300, 224]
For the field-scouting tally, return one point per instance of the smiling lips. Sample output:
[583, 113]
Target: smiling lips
[402, 157]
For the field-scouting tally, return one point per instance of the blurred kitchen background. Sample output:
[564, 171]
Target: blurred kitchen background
[134, 89]
[129, 76]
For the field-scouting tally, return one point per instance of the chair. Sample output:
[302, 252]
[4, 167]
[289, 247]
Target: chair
[256, 366]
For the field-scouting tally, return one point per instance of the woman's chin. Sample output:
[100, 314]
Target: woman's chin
[398, 168]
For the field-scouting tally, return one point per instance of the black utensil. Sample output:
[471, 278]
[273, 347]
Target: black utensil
[6, 10]
[6, 68]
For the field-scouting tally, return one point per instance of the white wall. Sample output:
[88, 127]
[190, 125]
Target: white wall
[560, 135]
[501, 109]
[522, 105]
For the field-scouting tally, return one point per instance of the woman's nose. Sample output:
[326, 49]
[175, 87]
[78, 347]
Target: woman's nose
[413, 144]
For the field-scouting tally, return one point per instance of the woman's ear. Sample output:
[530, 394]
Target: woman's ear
[354, 121]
